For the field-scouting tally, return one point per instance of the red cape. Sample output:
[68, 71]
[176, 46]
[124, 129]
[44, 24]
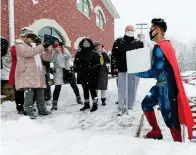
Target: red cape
[184, 110]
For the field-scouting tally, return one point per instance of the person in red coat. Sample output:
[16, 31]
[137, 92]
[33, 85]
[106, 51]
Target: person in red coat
[19, 95]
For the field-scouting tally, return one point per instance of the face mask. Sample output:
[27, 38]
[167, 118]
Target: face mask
[33, 44]
[99, 50]
[129, 33]
[151, 36]
[86, 45]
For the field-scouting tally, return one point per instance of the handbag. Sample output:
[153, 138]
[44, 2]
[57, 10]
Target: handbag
[68, 75]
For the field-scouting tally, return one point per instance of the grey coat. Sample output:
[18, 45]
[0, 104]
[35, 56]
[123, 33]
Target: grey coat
[103, 73]
[60, 61]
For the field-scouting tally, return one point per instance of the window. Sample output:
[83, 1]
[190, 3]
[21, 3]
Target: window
[99, 20]
[84, 7]
[50, 31]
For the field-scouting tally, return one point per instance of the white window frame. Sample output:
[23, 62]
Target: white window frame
[98, 10]
[82, 9]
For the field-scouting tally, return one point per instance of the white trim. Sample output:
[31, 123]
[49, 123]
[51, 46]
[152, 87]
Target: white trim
[76, 43]
[11, 22]
[97, 9]
[84, 14]
[41, 23]
[110, 7]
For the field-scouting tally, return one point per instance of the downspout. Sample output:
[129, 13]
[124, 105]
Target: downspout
[11, 22]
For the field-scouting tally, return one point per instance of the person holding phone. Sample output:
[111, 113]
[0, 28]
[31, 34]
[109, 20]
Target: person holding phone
[30, 72]
[63, 73]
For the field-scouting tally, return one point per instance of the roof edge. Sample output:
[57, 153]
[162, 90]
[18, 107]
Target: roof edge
[110, 7]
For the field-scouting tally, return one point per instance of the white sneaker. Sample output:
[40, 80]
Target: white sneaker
[120, 112]
[48, 103]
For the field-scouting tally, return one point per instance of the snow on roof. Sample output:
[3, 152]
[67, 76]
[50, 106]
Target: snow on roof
[110, 7]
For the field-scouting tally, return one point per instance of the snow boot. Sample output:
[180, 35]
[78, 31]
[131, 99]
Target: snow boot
[155, 133]
[103, 101]
[54, 105]
[48, 103]
[79, 100]
[121, 112]
[86, 106]
[20, 112]
[32, 115]
[42, 110]
[95, 105]
[176, 134]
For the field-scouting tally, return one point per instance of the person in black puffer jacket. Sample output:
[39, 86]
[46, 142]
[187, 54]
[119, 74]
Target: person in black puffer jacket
[119, 65]
[4, 48]
[87, 65]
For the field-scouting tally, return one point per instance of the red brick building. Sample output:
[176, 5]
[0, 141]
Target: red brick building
[70, 20]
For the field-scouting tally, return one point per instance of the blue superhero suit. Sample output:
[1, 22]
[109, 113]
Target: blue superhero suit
[164, 93]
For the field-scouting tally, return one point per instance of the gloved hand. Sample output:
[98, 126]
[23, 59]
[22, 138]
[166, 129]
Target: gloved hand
[46, 44]
[38, 41]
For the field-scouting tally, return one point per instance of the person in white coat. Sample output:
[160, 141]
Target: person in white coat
[63, 73]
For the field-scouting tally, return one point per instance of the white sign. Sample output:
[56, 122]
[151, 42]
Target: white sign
[139, 60]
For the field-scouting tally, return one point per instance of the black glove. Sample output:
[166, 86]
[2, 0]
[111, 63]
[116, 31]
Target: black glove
[38, 41]
[46, 44]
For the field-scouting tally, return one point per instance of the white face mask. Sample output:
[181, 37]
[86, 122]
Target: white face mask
[33, 44]
[129, 33]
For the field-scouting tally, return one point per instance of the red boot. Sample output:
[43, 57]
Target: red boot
[176, 134]
[155, 133]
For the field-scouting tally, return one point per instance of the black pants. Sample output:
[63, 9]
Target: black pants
[57, 90]
[86, 91]
[19, 99]
[47, 91]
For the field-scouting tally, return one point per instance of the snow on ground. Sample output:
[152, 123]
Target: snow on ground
[71, 132]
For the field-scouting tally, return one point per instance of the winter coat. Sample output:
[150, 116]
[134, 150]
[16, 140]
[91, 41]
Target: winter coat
[87, 65]
[120, 47]
[4, 48]
[13, 67]
[27, 75]
[60, 61]
[103, 73]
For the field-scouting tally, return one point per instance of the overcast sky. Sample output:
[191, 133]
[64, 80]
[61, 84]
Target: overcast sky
[180, 16]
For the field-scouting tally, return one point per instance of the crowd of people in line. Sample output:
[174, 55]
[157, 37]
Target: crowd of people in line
[30, 77]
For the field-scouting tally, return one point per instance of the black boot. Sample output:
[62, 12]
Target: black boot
[95, 106]
[79, 100]
[103, 101]
[86, 106]
[54, 105]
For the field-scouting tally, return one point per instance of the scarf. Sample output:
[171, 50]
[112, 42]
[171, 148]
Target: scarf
[37, 59]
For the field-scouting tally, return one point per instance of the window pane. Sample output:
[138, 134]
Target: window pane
[101, 21]
[97, 19]
[45, 30]
[86, 9]
[79, 4]
[101, 24]
[54, 33]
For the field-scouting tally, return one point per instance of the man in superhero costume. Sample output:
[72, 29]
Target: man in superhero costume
[168, 92]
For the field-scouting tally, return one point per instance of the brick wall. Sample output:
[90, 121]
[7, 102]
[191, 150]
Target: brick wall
[65, 13]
